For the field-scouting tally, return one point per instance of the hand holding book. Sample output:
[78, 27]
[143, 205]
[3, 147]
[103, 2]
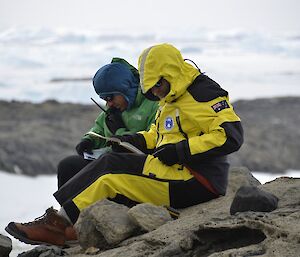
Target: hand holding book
[115, 140]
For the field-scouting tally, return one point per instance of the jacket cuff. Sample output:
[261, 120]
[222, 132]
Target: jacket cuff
[87, 137]
[183, 151]
[121, 132]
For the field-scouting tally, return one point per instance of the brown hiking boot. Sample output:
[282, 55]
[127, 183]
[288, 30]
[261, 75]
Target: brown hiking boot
[49, 229]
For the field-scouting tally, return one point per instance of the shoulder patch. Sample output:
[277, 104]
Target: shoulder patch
[220, 106]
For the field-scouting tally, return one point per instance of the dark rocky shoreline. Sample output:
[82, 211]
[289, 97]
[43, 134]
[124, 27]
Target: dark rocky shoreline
[272, 134]
[34, 137]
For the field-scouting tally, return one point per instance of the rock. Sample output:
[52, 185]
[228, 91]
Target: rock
[149, 216]
[104, 224]
[208, 229]
[5, 246]
[25, 125]
[240, 176]
[88, 234]
[251, 198]
[44, 251]
[271, 140]
[92, 250]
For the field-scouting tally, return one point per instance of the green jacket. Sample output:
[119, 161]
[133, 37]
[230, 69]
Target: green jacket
[138, 118]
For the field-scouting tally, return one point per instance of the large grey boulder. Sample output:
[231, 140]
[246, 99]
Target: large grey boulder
[5, 246]
[148, 216]
[104, 224]
[251, 198]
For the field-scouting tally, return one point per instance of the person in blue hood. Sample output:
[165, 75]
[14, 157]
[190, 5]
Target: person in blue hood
[116, 80]
[128, 111]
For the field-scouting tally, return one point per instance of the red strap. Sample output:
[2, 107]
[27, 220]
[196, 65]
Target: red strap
[203, 181]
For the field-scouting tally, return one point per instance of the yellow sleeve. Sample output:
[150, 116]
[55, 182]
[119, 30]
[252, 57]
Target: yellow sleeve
[150, 136]
[221, 130]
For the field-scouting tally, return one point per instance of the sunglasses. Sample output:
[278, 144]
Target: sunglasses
[108, 98]
[158, 84]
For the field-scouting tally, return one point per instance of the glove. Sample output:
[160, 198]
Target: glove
[86, 145]
[116, 147]
[114, 120]
[167, 155]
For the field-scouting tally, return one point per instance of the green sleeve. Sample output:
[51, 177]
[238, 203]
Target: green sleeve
[125, 131]
[151, 118]
[99, 129]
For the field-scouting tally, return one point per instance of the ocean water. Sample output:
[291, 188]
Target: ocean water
[247, 64]
[25, 198]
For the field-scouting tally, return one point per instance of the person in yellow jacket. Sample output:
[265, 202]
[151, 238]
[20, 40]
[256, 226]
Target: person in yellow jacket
[185, 150]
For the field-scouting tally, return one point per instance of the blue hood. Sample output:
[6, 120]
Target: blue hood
[116, 78]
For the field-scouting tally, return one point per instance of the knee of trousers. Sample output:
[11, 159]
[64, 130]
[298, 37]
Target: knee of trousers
[65, 164]
[104, 187]
[71, 164]
[69, 167]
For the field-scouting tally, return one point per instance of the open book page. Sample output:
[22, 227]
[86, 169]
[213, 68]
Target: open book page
[126, 145]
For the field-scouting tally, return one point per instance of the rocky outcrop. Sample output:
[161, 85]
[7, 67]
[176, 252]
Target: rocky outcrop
[272, 137]
[35, 137]
[5, 246]
[208, 229]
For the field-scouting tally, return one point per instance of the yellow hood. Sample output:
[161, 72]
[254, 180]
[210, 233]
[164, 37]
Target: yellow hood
[165, 61]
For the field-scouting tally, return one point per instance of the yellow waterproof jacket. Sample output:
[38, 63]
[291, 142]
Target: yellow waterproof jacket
[195, 115]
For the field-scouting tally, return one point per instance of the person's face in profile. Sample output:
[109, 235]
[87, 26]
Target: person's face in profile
[161, 88]
[116, 101]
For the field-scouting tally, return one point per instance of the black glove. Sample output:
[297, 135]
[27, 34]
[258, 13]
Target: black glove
[115, 146]
[114, 120]
[86, 145]
[167, 154]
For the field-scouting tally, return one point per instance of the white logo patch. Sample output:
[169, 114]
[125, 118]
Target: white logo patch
[169, 123]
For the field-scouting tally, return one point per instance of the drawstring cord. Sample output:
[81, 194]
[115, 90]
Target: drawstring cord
[194, 64]
[179, 125]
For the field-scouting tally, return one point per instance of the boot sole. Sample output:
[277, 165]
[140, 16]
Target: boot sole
[32, 242]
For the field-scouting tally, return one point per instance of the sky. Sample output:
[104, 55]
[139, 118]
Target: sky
[152, 15]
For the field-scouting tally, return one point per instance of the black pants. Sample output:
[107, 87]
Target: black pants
[69, 167]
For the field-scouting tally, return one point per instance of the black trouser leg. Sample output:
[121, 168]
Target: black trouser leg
[69, 167]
